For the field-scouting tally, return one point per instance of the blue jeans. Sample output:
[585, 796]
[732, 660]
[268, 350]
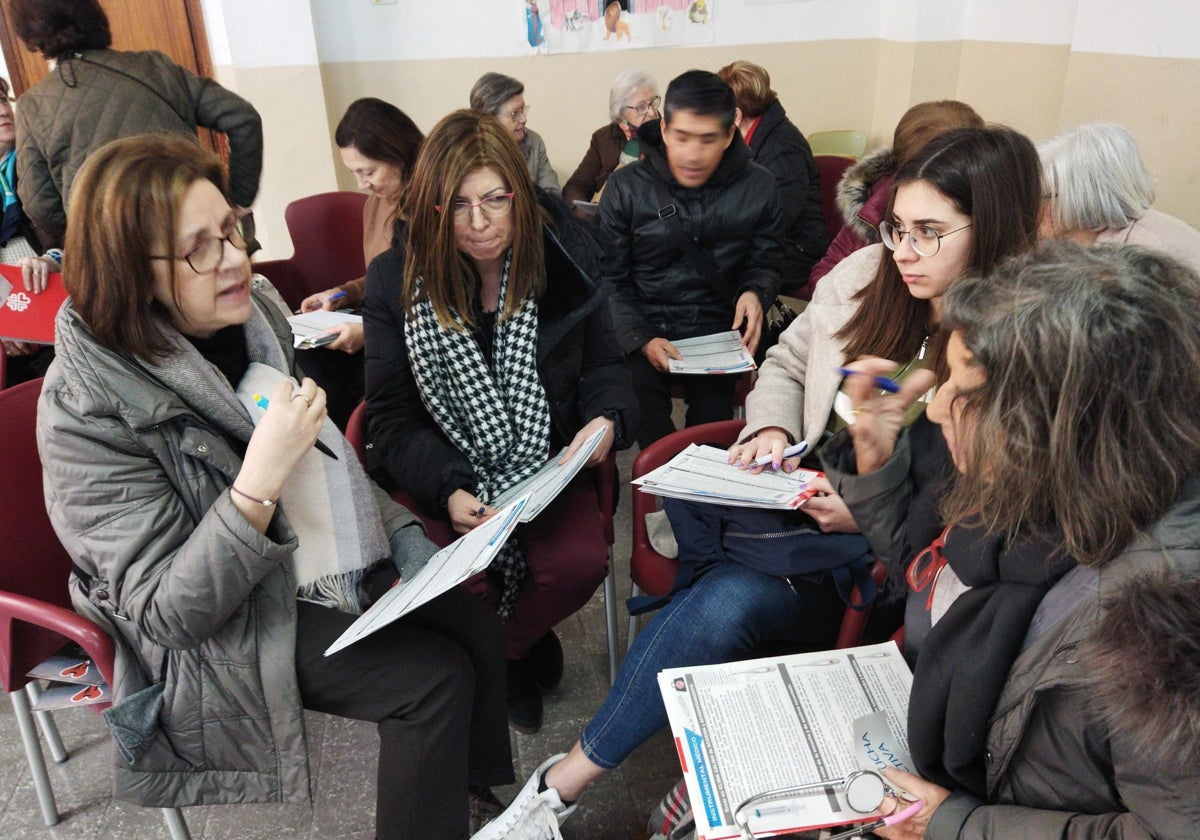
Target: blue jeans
[724, 616]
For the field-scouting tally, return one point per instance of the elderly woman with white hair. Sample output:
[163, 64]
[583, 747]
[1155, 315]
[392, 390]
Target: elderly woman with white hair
[632, 100]
[1098, 192]
[504, 98]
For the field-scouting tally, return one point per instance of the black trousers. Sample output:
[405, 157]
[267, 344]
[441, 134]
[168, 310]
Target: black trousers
[434, 683]
[709, 398]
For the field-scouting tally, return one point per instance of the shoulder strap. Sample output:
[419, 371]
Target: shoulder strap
[701, 261]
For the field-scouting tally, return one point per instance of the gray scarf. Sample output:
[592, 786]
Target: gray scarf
[334, 548]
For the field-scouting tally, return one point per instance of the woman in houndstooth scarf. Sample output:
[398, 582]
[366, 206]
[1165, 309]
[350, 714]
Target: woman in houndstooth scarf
[489, 348]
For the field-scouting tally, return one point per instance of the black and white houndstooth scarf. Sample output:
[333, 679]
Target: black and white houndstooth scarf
[498, 417]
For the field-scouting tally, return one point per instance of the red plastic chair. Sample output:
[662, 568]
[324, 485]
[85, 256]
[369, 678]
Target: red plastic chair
[831, 169]
[605, 475]
[36, 618]
[327, 239]
[654, 574]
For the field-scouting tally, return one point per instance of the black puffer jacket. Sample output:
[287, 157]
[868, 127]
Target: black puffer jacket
[779, 146]
[734, 217]
[580, 367]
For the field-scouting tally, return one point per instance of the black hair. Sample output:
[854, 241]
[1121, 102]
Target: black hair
[703, 93]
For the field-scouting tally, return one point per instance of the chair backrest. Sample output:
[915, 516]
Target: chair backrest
[33, 562]
[831, 169]
[651, 571]
[327, 239]
[356, 431]
[843, 142]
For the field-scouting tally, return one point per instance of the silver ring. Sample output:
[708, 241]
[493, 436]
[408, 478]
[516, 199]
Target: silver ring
[307, 401]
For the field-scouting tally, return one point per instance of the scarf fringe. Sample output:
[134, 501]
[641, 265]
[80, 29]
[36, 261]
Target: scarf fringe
[339, 591]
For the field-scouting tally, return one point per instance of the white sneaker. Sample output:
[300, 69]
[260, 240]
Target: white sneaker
[531, 815]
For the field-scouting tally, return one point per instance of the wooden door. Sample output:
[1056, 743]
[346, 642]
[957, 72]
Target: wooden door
[174, 27]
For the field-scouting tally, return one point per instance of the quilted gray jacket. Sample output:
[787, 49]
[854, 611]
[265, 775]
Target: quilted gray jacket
[101, 95]
[137, 488]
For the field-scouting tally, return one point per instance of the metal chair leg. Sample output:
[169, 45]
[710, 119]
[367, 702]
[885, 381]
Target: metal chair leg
[176, 824]
[49, 729]
[33, 754]
[633, 619]
[610, 618]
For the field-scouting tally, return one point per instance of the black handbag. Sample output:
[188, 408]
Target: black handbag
[777, 319]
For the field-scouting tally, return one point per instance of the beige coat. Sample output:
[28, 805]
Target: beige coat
[1161, 232]
[798, 381]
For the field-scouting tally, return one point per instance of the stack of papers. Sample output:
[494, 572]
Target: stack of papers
[545, 484]
[704, 474]
[744, 730]
[470, 553]
[308, 328]
[74, 681]
[717, 353]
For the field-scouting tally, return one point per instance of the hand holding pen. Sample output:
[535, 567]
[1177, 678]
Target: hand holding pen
[879, 405]
[466, 511]
[330, 299]
[264, 403]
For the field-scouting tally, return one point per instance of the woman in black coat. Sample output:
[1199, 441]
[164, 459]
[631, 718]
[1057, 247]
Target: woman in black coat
[488, 348]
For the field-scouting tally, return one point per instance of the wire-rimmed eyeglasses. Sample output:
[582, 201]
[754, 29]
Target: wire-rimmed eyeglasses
[206, 254]
[925, 240]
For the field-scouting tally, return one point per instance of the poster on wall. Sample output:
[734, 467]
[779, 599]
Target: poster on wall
[561, 26]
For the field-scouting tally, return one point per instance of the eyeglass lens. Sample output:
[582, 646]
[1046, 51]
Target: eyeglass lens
[207, 254]
[492, 207]
[925, 240]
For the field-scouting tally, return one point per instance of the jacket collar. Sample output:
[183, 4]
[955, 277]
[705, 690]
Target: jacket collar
[111, 383]
[735, 160]
[772, 118]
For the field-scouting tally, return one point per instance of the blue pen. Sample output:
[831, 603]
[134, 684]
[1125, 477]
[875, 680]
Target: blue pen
[336, 296]
[791, 452]
[880, 382]
[264, 403]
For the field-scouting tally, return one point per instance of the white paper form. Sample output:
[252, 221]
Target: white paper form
[712, 354]
[545, 484]
[746, 728]
[703, 474]
[470, 553]
[308, 325]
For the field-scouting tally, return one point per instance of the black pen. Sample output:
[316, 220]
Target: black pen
[264, 403]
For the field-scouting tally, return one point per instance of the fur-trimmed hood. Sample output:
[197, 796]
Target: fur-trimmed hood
[1144, 665]
[859, 185]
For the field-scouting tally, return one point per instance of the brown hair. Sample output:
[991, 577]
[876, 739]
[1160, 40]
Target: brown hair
[381, 131]
[124, 206]
[925, 121]
[57, 28]
[751, 87]
[1085, 425]
[990, 174]
[461, 143]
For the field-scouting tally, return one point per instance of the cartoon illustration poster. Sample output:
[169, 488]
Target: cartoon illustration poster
[582, 25]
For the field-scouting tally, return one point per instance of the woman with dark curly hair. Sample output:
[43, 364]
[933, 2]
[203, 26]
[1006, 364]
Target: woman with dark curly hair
[96, 94]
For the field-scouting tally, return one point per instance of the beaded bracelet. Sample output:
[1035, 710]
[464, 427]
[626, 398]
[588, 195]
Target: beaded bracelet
[263, 502]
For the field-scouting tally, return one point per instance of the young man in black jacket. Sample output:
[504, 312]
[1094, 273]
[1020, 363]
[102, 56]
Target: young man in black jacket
[694, 238]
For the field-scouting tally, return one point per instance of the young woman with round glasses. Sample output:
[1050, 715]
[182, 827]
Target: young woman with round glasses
[487, 349]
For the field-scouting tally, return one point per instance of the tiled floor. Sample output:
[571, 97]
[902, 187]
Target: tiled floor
[343, 756]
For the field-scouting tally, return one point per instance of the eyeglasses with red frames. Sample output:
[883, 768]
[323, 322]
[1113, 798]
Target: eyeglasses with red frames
[492, 207]
[923, 571]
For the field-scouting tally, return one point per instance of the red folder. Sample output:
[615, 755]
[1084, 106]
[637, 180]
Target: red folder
[25, 316]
